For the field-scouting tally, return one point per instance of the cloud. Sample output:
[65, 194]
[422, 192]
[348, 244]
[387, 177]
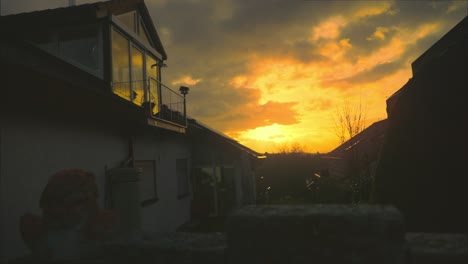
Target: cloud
[383, 60]
[187, 80]
[251, 116]
[271, 71]
[329, 29]
[456, 5]
[380, 33]
[319, 104]
[376, 9]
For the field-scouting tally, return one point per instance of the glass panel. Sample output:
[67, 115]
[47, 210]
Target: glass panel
[128, 19]
[80, 45]
[143, 35]
[120, 65]
[152, 73]
[138, 80]
[45, 40]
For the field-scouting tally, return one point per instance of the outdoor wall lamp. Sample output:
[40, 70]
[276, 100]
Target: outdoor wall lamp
[184, 90]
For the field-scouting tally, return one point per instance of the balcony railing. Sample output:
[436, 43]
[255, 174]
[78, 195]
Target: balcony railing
[161, 101]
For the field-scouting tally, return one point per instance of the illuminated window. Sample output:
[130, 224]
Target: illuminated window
[120, 65]
[152, 73]
[138, 79]
[133, 78]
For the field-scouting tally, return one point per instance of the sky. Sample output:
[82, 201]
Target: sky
[273, 73]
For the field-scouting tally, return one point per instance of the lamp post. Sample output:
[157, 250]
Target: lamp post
[184, 91]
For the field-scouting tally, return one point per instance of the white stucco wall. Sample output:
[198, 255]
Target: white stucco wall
[169, 212]
[32, 150]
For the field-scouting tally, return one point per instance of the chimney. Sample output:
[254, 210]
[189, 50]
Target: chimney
[71, 2]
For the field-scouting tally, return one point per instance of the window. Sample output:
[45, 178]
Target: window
[132, 22]
[77, 45]
[152, 73]
[120, 65]
[143, 35]
[147, 183]
[128, 19]
[182, 178]
[131, 70]
[45, 40]
[138, 78]
[80, 45]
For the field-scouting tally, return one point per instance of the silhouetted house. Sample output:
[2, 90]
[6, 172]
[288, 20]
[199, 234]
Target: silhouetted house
[81, 88]
[422, 169]
[358, 155]
[353, 163]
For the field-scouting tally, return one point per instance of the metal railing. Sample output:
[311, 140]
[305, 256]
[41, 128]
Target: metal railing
[171, 103]
[161, 101]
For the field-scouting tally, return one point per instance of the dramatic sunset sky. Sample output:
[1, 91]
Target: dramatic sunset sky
[271, 73]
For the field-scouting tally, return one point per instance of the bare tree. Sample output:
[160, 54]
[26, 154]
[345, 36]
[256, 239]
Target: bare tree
[349, 121]
[291, 148]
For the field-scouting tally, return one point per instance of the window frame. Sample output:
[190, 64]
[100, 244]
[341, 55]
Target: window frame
[132, 77]
[128, 61]
[143, 49]
[133, 36]
[55, 35]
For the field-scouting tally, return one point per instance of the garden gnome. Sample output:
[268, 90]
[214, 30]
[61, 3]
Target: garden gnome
[71, 224]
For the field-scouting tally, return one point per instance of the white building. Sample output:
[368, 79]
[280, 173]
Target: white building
[81, 89]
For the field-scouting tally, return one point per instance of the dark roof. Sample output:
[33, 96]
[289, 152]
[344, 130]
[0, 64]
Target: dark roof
[197, 129]
[376, 130]
[441, 46]
[438, 49]
[392, 100]
[86, 13]
[63, 88]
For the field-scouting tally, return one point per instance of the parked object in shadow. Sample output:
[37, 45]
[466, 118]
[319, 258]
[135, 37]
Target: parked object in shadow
[71, 224]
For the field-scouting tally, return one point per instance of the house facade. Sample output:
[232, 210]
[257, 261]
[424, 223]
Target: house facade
[223, 175]
[82, 89]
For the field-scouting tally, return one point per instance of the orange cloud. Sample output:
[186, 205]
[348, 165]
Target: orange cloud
[319, 104]
[377, 8]
[456, 5]
[379, 34]
[188, 80]
[251, 116]
[277, 96]
[329, 29]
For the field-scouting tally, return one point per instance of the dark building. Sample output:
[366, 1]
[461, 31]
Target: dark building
[423, 165]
